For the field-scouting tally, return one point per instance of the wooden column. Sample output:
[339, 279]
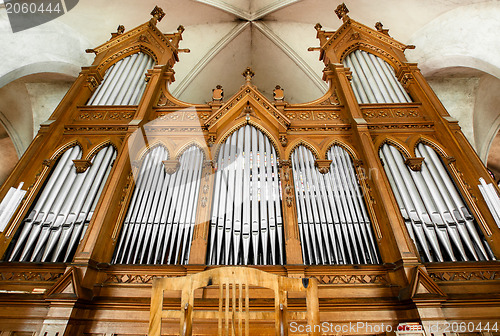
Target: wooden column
[290, 224]
[198, 254]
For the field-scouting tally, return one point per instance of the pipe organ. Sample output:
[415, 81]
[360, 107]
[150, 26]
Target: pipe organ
[334, 225]
[371, 189]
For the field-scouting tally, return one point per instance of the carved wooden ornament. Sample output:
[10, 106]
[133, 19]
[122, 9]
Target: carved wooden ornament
[82, 165]
[415, 164]
[323, 165]
[171, 166]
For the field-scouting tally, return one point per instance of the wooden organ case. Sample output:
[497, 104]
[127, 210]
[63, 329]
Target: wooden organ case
[372, 190]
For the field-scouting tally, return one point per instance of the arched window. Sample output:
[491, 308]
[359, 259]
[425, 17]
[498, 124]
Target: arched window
[333, 222]
[123, 82]
[437, 219]
[160, 220]
[60, 215]
[373, 79]
[246, 226]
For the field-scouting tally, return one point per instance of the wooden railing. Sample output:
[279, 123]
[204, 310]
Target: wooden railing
[234, 312]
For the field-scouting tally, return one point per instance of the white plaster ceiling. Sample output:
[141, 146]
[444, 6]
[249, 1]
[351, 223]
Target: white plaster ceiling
[453, 38]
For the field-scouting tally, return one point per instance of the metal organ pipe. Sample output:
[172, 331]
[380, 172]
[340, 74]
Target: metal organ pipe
[160, 220]
[246, 225]
[373, 79]
[123, 82]
[333, 222]
[429, 196]
[52, 231]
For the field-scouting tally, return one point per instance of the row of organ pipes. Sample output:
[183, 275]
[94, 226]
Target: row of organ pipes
[373, 79]
[333, 221]
[159, 224]
[60, 216]
[435, 215]
[246, 225]
[124, 82]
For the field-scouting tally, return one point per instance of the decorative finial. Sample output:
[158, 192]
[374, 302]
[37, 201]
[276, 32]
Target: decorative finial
[342, 11]
[119, 31]
[218, 93]
[278, 93]
[380, 27]
[248, 74]
[181, 29]
[157, 14]
[318, 26]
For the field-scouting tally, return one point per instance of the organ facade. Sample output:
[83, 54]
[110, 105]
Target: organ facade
[370, 194]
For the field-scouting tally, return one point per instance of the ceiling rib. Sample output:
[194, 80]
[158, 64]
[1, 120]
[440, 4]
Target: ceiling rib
[313, 76]
[245, 15]
[272, 7]
[186, 81]
[242, 14]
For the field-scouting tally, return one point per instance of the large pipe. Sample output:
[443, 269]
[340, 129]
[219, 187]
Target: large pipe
[141, 84]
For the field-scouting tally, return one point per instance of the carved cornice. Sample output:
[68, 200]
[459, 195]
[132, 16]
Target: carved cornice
[465, 275]
[351, 26]
[148, 26]
[353, 279]
[104, 115]
[95, 129]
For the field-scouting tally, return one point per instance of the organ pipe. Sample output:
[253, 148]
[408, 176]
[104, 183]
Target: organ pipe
[123, 82]
[435, 215]
[54, 227]
[160, 220]
[334, 226]
[491, 198]
[246, 225]
[373, 79]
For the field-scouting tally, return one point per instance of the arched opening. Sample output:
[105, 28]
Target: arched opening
[160, 220]
[374, 80]
[493, 162]
[436, 217]
[246, 225]
[334, 225]
[63, 209]
[123, 82]
[7, 153]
